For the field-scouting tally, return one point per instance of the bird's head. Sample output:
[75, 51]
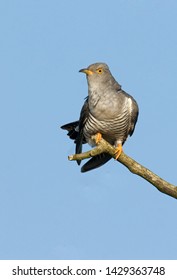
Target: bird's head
[97, 73]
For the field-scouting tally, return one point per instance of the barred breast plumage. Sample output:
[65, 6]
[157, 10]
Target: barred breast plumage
[115, 129]
[108, 110]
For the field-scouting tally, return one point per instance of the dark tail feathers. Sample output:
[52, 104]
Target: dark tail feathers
[96, 162]
[72, 129]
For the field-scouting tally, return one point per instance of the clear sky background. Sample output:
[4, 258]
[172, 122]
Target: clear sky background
[48, 209]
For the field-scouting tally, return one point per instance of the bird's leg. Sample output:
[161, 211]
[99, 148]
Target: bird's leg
[118, 150]
[98, 137]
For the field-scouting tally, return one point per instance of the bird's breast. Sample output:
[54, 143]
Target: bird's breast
[108, 106]
[112, 124]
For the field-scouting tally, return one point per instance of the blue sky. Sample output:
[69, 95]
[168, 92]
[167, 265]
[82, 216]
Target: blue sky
[48, 209]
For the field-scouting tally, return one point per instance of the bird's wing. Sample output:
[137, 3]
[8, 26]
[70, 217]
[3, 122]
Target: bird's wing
[82, 120]
[134, 112]
[134, 116]
[75, 129]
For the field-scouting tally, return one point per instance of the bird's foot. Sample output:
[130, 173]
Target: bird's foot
[118, 151]
[98, 137]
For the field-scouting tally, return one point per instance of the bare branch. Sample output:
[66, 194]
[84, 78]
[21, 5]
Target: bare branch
[134, 167]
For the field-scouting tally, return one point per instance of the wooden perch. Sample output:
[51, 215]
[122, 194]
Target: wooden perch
[131, 164]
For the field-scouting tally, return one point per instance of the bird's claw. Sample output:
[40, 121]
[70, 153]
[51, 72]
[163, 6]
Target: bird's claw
[118, 151]
[98, 137]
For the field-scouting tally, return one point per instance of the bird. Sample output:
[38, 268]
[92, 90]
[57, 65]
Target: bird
[108, 112]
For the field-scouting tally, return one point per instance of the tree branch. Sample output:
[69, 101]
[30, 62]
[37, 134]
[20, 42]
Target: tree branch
[134, 167]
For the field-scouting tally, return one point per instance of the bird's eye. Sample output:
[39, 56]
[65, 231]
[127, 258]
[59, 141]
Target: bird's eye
[99, 71]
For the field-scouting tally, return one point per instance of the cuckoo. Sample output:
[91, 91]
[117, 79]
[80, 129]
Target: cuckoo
[108, 112]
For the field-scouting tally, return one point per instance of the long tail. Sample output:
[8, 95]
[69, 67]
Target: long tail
[76, 135]
[72, 129]
[78, 138]
[96, 162]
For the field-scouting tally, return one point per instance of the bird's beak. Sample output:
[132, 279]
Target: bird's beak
[86, 71]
